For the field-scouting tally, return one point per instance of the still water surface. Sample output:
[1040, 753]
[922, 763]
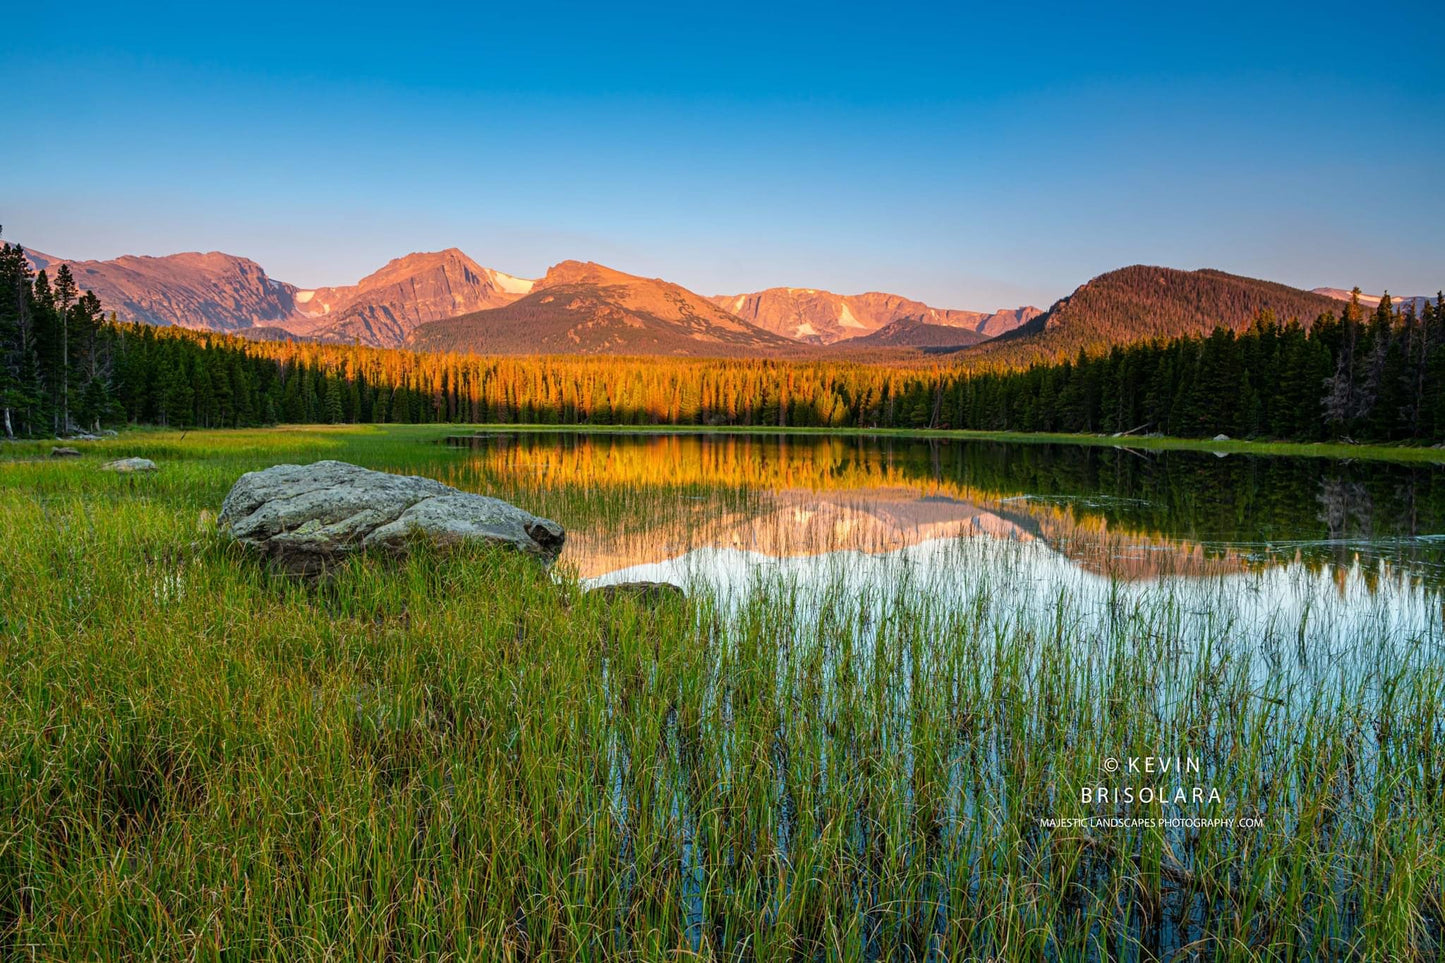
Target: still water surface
[1306, 587]
[1303, 549]
[1123, 512]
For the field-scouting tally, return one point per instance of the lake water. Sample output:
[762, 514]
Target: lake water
[1124, 512]
[1191, 593]
[1313, 549]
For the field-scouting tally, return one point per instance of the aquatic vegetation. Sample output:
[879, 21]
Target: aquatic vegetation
[468, 755]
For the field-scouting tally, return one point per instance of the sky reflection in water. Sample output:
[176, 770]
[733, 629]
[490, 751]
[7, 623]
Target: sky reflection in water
[1308, 553]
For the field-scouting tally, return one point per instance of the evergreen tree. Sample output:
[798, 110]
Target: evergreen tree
[64, 297]
[335, 413]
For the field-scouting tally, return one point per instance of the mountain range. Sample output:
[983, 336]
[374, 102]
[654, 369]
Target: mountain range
[222, 292]
[574, 307]
[822, 317]
[445, 301]
[585, 308]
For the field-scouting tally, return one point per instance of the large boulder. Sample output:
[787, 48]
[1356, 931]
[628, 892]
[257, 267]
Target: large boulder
[127, 466]
[307, 516]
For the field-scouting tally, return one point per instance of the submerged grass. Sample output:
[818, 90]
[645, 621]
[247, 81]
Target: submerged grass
[466, 757]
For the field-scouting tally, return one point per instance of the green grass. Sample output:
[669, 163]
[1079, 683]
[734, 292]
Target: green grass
[1399, 453]
[1409, 453]
[465, 757]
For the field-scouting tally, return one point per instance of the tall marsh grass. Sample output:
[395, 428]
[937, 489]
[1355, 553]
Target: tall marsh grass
[468, 757]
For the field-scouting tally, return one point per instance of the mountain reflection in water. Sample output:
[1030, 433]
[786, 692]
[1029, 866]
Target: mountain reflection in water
[881, 521]
[1309, 556]
[637, 500]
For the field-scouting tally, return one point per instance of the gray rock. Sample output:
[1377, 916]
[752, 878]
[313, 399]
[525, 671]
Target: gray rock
[60, 452]
[128, 465]
[1221, 437]
[644, 593]
[306, 516]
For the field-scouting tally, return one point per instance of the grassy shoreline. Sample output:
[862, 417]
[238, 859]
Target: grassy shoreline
[1403, 453]
[1294, 449]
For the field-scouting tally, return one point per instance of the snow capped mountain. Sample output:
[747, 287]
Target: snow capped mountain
[383, 308]
[822, 317]
[214, 291]
[1372, 301]
[222, 292]
[586, 308]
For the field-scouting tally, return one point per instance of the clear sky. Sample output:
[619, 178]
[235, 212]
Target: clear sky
[969, 157]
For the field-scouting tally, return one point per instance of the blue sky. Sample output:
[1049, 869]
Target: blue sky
[970, 157]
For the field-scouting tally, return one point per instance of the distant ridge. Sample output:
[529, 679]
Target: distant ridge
[383, 308]
[913, 333]
[1372, 301]
[821, 317]
[1142, 303]
[214, 291]
[222, 292]
[585, 308]
[446, 301]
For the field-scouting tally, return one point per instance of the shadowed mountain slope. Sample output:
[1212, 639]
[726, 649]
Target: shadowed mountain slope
[913, 333]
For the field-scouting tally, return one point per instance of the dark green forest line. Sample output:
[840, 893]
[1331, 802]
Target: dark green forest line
[1375, 376]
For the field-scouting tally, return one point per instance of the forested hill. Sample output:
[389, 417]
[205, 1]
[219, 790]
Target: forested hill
[1142, 303]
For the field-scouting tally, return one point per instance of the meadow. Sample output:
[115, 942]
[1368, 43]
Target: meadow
[464, 756]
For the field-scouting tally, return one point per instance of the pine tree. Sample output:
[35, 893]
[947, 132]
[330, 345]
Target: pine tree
[15, 346]
[178, 397]
[65, 295]
[335, 413]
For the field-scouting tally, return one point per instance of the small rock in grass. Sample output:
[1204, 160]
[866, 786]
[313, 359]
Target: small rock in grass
[644, 593]
[62, 452]
[129, 465]
[1221, 437]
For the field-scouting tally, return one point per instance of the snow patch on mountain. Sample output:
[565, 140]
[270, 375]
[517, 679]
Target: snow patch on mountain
[512, 285]
[1399, 302]
[847, 319]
